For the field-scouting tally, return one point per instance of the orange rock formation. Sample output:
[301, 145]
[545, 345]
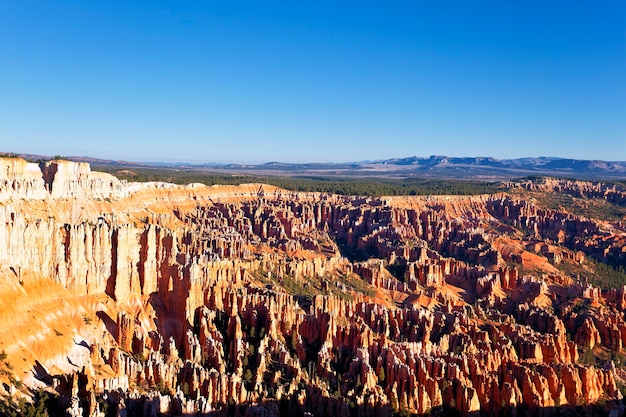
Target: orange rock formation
[258, 301]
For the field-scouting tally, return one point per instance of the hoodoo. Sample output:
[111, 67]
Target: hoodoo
[149, 299]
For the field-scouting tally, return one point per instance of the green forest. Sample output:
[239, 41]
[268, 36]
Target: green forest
[374, 187]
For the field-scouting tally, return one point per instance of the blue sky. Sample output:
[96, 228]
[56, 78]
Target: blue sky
[304, 81]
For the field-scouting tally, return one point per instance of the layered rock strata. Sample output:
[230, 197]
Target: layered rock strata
[152, 298]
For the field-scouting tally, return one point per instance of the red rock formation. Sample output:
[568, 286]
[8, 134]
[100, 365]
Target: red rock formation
[254, 301]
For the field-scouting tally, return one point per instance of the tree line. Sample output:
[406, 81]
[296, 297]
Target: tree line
[370, 186]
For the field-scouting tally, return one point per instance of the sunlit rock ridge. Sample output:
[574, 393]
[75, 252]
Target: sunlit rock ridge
[154, 299]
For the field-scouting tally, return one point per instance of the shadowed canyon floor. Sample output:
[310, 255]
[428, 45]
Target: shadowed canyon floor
[149, 299]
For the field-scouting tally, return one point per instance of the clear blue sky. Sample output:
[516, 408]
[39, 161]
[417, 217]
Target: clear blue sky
[313, 81]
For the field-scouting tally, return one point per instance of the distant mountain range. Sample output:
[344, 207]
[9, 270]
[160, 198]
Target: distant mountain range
[435, 166]
[448, 167]
[539, 165]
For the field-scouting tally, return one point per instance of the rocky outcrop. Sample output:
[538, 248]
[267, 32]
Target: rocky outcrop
[254, 301]
[579, 234]
[612, 193]
[20, 179]
[56, 179]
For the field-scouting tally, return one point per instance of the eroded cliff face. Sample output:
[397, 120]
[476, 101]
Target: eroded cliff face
[152, 298]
